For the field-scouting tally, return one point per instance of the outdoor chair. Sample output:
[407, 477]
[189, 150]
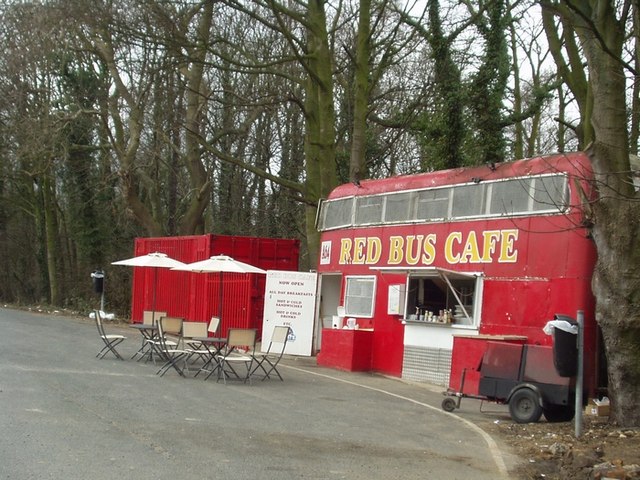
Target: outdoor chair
[149, 317]
[213, 326]
[149, 335]
[213, 346]
[238, 350]
[111, 341]
[169, 337]
[212, 329]
[190, 331]
[174, 340]
[269, 360]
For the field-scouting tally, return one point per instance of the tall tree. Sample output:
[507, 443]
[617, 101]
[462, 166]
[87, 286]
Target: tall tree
[303, 29]
[600, 28]
[139, 46]
[488, 86]
[570, 67]
[466, 118]
[361, 89]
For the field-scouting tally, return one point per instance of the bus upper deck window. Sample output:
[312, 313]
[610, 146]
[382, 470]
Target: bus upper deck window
[398, 207]
[468, 200]
[337, 213]
[509, 197]
[432, 204]
[368, 210]
[550, 193]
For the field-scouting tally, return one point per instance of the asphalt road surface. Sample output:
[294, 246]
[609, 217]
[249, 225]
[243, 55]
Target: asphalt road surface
[68, 415]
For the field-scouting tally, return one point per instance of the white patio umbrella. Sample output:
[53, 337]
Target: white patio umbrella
[153, 260]
[220, 264]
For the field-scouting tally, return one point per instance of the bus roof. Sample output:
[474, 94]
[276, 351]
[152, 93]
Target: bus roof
[574, 163]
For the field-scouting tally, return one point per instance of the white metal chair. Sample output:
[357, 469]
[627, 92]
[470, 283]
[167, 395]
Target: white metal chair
[239, 349]
[111, 341]
[150, 317]
[169, 337]
[174, 340]
[213, 345]
[149, 334]
[191, 331]
[269, 360]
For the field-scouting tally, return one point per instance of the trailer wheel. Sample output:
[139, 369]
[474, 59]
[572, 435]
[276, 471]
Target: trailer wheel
[524, 406]
[558, 413]
[448, 404]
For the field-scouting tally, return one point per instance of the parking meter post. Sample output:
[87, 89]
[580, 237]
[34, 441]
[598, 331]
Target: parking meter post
[580, 375]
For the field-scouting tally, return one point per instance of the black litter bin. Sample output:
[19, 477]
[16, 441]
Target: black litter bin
[565, 349]
[98, 281]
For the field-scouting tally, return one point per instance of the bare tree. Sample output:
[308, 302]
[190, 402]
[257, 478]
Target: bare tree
[600, 29]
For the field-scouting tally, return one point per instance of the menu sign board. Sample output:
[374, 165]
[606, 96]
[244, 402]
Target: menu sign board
[290, 299]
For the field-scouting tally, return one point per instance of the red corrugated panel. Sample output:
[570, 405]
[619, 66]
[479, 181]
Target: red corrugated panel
[205, 301]
[171, 287]
[196, 296]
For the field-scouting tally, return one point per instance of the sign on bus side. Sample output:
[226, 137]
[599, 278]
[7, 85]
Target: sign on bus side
[488, 246]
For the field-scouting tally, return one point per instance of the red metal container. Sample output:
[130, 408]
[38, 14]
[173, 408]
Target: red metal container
[196, 296]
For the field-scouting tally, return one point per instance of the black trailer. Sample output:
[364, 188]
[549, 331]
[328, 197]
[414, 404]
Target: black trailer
[526, 378]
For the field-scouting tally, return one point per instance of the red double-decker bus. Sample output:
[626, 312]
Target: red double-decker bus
[410, 264]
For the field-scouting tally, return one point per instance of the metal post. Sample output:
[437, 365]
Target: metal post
[580, 375]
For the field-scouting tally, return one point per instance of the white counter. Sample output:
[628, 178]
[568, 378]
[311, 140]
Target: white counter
[434, 335]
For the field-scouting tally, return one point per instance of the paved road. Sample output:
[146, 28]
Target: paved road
[67, 415]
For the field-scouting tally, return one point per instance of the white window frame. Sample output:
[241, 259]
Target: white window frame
[349, 309]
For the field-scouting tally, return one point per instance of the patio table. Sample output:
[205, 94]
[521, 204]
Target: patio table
[149, 335]
[213, 345]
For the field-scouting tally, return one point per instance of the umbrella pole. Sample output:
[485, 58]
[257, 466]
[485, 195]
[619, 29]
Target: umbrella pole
[153, 305]
[220, 302]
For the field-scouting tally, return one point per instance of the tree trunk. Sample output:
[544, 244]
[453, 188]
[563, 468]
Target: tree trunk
[447, 125]
[51, 236]
[518, 141]
[193, 221]
[635, 102]
[358, 159]
[572, 73]
[616, 231]
[320, 122]
[488, 87]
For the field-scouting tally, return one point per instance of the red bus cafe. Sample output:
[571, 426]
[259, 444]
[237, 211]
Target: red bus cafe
[417, 273]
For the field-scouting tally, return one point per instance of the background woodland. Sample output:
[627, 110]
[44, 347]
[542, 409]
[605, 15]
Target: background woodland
[124, 118]
[150, 118]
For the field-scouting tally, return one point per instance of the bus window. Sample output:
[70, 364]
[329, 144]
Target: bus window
[369, 210]
[432, 204]
[359, 296]
[337, 213]
[398, 207]
[550, 193]
[516, 196]
[511, 196]
[468, 200]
